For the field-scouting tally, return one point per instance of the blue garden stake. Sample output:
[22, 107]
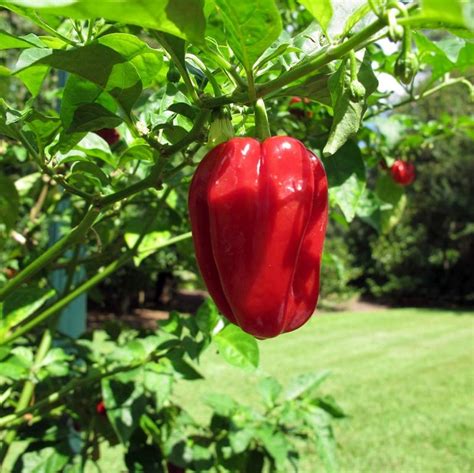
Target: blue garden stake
[72, 320]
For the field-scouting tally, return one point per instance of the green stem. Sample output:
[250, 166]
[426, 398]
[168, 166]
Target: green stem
[226, 66]
[307, 67]
[353, 63]
[161, 38]
[89, 284]
[53, 252]
[193, 135]
[422, 95]
[146, 183]
[27, 391]
[51, 30]
[70, 386]
[71, 189]
[261, 120]
[210, 76]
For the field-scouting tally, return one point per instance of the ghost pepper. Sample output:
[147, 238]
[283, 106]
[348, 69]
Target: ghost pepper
[258, 215]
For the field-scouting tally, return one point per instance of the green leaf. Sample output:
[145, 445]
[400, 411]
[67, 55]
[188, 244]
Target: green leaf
[304, 384]
[251, 27]
[275, 443]
[183, 18]
[346, 177]
[21, 304]
[222, 404]
[358, 14]
[318, 420]
[207, 317]
[125, 402]
[146, 60]
[348, 196]
[320, 9]
[151, 243]
[237, 347]
[9, 41]
[95, 62]
[458, 13]
[44, 127]
[348, 111]
[83, 94]
[9, 201]
[269, 389]
[26, 183]
[394, 198]
[55, 363]
[84, 167]
[328, 404]
[46, 460]
[183, 367]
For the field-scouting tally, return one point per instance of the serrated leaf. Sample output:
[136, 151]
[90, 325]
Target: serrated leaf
[237, 347]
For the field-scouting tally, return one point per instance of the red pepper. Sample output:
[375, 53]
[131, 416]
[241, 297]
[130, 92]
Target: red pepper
[111, 135]
[100, 408]
[297, 111]
[258, 215]
[403, 172]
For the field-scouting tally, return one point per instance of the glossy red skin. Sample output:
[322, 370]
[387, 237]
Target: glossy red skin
[258, 215]
[403, 172]
[111, 135]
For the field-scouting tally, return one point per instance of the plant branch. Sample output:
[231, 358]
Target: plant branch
[74, 236]
[90, 283]
[421, 95]
[69, 387]
[161, 38]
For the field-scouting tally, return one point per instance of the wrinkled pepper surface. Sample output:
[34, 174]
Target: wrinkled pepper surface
[258, 215]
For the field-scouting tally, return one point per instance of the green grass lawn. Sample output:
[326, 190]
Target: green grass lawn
[404, 377]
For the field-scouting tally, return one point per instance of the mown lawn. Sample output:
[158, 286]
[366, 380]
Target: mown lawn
[405, 378]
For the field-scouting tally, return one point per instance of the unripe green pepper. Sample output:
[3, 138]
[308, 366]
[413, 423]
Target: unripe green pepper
[406, 66]
[173, 75]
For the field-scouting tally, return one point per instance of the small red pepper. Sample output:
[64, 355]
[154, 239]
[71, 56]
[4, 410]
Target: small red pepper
[258, 215]
[296, 109]
[100, 408]
[111, 135]
[403, 172]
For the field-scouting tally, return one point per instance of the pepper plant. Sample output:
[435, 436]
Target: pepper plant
[107, 108]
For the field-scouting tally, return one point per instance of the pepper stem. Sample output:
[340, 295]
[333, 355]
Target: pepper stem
[261, 120]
